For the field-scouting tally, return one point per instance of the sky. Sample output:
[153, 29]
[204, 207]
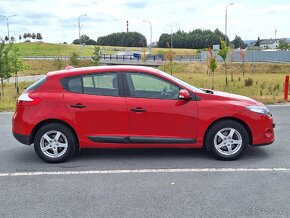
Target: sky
[57, 20]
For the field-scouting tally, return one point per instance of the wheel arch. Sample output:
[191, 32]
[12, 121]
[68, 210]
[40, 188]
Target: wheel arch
[232, 119]
[48, 121]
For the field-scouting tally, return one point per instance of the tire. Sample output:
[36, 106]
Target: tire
[55, 143]
[227, 140]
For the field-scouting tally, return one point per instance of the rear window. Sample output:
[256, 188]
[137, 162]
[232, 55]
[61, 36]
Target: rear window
[36, 85]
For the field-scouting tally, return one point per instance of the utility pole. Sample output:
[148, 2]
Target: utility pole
[79, 26]
[150, 32]
[226, 21]
[7, 21]
[171, 44]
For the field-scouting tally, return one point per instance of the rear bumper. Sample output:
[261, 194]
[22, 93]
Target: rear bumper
[24, 139]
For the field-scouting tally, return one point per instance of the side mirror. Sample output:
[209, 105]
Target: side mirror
[184, 94]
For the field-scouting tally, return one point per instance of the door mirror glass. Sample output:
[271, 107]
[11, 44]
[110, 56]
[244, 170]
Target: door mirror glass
[184, 94]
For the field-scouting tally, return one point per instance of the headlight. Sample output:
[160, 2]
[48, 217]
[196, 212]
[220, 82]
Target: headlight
[260, 110]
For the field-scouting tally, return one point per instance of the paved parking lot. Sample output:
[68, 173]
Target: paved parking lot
[147, 182]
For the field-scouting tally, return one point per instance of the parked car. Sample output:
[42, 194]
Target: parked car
[135, 107]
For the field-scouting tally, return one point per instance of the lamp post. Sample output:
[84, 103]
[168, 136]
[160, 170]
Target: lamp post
[79, 26]
[226, 21]
[150, 31]
[171, 44]
[7, 20]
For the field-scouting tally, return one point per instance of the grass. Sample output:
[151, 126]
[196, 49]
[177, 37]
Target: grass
[267, 86]
[36, 67]
[267, 79]
[49, 49]
[8, 102]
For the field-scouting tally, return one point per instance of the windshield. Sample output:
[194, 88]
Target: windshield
[188, 86]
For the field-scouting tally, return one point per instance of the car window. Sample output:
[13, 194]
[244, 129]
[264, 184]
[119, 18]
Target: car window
[101, 84]
[93, 84]
[148, 86]
[74, 84]
[36, 85]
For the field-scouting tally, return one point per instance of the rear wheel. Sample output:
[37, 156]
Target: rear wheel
[54, 143]
[227, 140]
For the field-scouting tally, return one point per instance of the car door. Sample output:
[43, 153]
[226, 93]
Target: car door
[156, 115]
[97, 106]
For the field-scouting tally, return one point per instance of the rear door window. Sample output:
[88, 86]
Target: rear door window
[93, 84]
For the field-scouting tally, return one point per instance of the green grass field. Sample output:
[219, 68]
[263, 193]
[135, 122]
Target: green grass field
[49, 49]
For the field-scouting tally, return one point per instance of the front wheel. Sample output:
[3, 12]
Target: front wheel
[227, 140]
[54, 143]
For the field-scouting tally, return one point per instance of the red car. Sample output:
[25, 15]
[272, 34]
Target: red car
[135, 107]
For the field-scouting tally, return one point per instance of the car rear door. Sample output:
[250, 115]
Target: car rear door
[98, 107]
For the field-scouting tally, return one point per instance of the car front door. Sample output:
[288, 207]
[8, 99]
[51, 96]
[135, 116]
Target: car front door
[156, 115]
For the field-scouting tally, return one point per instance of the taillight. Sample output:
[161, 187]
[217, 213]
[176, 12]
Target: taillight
[27, 99]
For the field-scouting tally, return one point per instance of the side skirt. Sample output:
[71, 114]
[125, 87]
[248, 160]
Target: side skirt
[141, 140]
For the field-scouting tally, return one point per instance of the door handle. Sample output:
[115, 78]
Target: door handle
[138, 109]
[78, 105]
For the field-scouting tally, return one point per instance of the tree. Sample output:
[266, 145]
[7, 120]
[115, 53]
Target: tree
[6, 38]
[257, 43]
[130, 39]
[20, 37]
[212, 65]
[169, 57]
[33, 36]
[283, 44]
[196, 39]
[5, 66]
[74, 59]
[238, 42]
[223, 51]
[29, 36]
[24, 36]
[243, 56]
[57, 61]
[39, 36]
[85, 40]
[97, 56]
[16, 64]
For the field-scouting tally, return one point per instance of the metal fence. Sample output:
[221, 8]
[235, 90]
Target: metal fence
[254, 56]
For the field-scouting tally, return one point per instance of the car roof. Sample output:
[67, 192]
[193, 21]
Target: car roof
[96, 69]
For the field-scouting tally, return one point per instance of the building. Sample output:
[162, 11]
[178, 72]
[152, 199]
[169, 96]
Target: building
[269, 43]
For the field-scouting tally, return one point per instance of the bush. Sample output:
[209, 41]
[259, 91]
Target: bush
[74, 59]
[248, 82]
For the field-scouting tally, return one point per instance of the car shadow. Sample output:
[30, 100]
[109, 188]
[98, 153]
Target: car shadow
[141, 153]
[149, 157]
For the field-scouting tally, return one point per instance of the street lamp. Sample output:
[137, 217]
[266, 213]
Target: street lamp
[79, 25]
[7, 20]
[150, 31]
[226, 20]
[171, 45]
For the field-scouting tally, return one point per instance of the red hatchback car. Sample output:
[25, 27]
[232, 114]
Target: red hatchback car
[135, 107]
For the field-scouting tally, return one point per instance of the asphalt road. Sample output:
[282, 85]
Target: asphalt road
[147, 182]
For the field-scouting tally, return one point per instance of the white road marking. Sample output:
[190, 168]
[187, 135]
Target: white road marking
[139, 171]
[278, 105]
